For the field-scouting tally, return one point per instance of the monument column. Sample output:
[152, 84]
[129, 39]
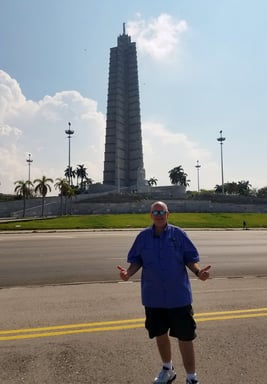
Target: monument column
[123, 163]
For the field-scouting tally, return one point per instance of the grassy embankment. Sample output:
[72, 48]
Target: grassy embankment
[117, 221]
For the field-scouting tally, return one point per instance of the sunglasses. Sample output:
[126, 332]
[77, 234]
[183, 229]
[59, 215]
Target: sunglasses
[156, 213]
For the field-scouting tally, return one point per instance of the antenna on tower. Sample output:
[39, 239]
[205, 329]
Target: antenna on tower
[124, 28]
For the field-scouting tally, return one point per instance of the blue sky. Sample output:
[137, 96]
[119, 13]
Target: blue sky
[202, 69]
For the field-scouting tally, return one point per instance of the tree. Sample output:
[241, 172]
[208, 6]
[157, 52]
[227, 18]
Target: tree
[67, 191]
[178, 176]
[23, 189]
[71, 192]
[81, 172]
[241, 188]
[63, 185]
[262, 192]
[218, 188]
[70, 174]
[87, 181]
[152, 181]
[42, 188]
[244, 188]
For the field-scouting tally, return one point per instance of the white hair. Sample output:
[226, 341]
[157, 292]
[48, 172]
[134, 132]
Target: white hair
[164, 205]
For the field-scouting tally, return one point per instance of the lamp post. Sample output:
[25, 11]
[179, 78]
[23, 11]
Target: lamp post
[69, 132]
[197, 167]
[221, 139]
[29, 161]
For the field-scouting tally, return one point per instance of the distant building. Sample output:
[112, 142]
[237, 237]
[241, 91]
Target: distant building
[123, 163]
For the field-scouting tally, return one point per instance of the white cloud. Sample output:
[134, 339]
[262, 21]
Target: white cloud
[158, 38]
[164, 150]
[10, 94]
[6, 130]
[39, 128]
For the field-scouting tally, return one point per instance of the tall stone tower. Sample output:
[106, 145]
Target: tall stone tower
[123, 164]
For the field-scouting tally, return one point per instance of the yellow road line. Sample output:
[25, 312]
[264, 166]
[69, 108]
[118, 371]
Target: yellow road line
[233, 311]
[230, 317]
[71, 332]
[115, 325]
[68, 326]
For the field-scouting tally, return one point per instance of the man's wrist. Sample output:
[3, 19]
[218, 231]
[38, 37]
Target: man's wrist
[197, 272]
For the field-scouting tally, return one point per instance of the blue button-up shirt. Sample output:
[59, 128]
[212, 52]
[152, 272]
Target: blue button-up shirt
[165, 282]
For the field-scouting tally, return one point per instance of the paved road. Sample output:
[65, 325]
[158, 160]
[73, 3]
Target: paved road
[93, 333]
[71, 257]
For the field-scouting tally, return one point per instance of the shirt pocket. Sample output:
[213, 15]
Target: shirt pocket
[174, 254]
[172, 246]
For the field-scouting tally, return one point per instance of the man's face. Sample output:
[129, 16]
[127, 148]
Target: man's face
[159, 215]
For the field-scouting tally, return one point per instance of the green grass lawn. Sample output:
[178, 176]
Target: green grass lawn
[117, 221]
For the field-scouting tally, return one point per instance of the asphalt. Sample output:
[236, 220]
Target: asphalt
[111, 344]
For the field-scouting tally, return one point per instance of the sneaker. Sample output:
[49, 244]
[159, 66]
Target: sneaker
[165, 376]
[194, 381]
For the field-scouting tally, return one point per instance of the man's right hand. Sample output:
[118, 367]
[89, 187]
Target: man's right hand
[123, 273]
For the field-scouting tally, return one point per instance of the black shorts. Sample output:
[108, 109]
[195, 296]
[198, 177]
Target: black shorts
[178, 321]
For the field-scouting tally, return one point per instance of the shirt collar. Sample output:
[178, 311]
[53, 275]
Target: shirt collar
[164, 231]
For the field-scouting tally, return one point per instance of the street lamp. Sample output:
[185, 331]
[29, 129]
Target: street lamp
[69, 132]
[197, 167]
[29, 161]
[221, 140]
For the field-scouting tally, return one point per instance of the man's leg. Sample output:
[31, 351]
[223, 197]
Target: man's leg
[188, 355]
[164, 347]
[167, 373]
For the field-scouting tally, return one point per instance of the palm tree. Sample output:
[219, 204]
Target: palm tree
[71, 192]
[152, 181]
[42, 188]
[81, 173]
[63, 185]
[244, 187]
[70, 174]
[23, 189]
[178, 176]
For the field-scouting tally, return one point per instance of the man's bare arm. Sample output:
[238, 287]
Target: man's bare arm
[125, 274]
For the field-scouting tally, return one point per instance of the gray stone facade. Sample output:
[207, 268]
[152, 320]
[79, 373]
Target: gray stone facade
[123, 163]
[103, 204]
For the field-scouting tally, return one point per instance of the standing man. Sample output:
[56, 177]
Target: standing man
[164, 252]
